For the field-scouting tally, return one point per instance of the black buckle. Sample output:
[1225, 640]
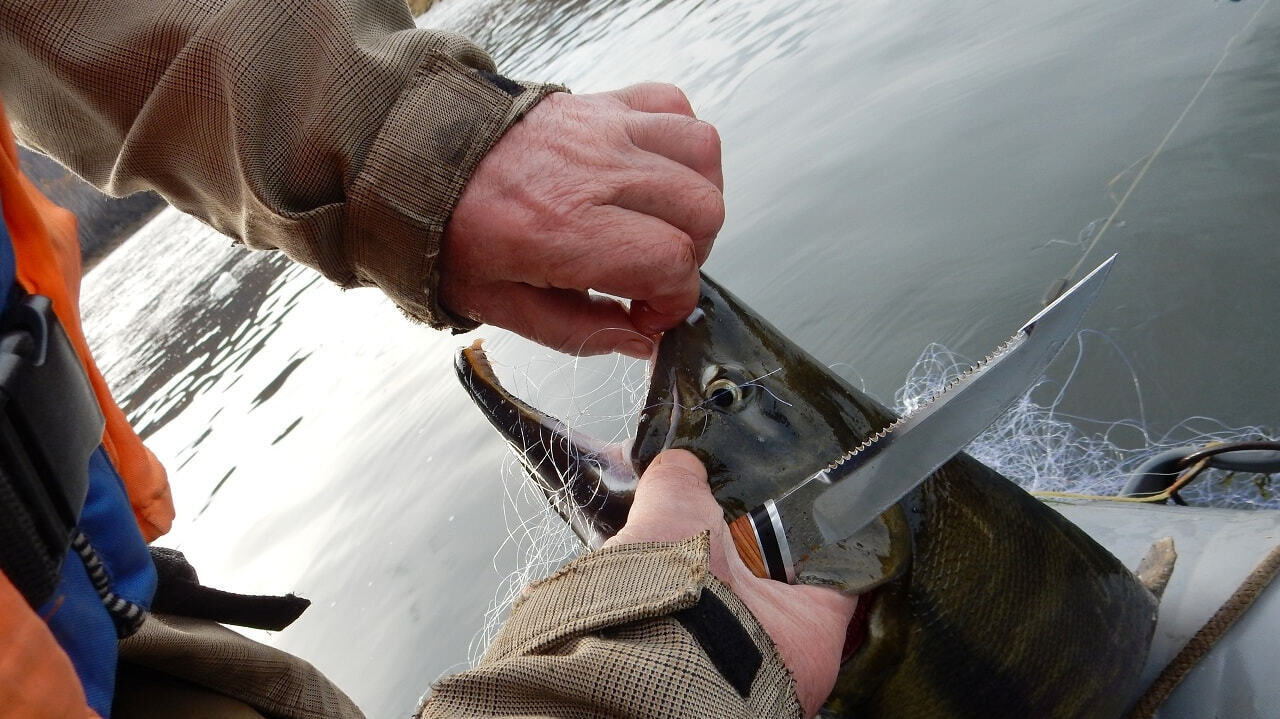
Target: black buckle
[50, 424]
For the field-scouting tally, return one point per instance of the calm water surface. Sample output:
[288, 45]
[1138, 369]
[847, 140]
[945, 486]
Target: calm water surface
[895, 176]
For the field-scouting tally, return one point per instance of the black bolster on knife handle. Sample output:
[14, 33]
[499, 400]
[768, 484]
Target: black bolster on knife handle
[763, 525]
[754, 537]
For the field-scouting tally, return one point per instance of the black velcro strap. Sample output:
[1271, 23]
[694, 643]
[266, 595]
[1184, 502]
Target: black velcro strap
[180, 593]
[505, 84]
[724, 640]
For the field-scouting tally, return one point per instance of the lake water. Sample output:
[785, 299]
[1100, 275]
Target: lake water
[895, 176]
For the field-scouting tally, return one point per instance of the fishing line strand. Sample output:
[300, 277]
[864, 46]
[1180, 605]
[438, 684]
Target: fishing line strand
[1059, 286]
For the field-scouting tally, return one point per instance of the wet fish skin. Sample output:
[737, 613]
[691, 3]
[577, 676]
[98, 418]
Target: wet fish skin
[1002, 607]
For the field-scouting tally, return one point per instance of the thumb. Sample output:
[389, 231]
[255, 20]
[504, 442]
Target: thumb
[654, 97]
[673, 502]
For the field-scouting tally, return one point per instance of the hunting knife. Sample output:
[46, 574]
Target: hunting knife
[776, 538]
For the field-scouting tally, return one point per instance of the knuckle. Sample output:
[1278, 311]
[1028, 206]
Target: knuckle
[551, 335]
[569, 344]
[677, 100]
[711, 209]
[684, 258]
[706, 139]
[674, 262]
[677, 278]
[560, 274]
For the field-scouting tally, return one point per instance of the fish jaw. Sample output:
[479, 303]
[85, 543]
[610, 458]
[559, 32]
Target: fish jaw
[589, 482]
[659, 418]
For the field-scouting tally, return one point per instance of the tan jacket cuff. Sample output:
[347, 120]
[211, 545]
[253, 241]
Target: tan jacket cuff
[446, 119]
[598, 636]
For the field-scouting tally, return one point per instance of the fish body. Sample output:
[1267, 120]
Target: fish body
[983, 602]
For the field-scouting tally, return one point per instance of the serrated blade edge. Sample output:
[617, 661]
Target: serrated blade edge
[939, 396]
[864, 482]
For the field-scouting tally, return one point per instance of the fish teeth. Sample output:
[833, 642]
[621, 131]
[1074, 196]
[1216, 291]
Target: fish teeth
[1000, 349]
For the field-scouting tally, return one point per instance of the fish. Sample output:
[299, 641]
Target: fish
[977, 600]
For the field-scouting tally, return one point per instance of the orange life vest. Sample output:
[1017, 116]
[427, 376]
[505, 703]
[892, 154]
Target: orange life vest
[37, 678]
[48, 263]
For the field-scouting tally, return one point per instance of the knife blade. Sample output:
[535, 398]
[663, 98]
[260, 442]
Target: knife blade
[836, 502]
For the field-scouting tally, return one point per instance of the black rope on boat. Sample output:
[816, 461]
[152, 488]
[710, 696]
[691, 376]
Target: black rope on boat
[1164, 469]
[1260, 456]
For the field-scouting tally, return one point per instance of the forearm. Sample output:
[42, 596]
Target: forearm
[610, 635]
[333, 130]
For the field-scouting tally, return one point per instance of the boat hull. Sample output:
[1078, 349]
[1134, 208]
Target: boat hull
[1217, 549]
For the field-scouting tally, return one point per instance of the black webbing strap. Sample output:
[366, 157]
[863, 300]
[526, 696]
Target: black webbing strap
[180, 592]
[723, 638]
[50, 424]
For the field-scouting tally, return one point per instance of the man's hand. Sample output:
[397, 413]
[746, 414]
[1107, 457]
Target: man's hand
[808, 624]
[618, 192]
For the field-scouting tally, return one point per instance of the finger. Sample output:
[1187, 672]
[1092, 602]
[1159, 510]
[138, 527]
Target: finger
[654, 97]
[677, 195]
[647, 319]
[565, 320]
[633, 255]
[673, 502]
[687, 140]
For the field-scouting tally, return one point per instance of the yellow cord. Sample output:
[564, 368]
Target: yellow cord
[1108, 497]
[1182, 481]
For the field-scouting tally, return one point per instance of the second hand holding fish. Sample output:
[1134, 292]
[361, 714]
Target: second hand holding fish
[673, 502]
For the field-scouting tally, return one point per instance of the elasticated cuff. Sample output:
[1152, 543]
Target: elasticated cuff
[444, 122]
[634, 590]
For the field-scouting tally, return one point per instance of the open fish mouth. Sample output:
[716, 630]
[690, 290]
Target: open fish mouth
[591, 483]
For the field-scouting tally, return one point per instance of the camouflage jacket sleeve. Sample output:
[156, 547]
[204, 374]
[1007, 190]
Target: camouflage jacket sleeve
[334, 130]
[640, 630]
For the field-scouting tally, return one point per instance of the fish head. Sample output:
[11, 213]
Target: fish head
[760, 412]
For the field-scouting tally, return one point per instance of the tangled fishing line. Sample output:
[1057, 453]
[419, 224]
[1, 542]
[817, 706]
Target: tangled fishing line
[1044, 450]
[600, 396]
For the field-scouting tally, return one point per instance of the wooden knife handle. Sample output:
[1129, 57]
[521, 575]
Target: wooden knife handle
[748, 546]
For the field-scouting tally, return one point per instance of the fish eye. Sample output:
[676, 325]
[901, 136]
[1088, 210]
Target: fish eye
[723, 393]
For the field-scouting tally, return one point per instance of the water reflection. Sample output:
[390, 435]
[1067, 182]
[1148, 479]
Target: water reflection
[710, 47]
[316, 443]
[220, 309]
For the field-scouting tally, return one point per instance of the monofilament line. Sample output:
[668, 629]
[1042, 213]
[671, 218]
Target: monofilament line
[1226, 50]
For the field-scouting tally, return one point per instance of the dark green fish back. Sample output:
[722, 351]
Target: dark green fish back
[1008, 610]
